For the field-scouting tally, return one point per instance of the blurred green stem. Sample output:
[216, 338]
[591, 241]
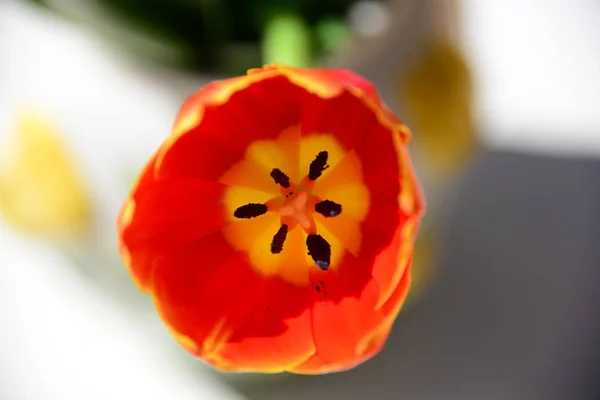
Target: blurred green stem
[286, 40]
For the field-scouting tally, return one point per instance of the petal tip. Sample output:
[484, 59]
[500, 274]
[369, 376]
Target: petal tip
[126, 215]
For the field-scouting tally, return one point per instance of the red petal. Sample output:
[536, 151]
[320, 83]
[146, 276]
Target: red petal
[373, 342]
[236, 319]
[362, 338]
[262, 110]
[390, 268]
[316, 81]
[328, 83]
[368, 92]
[277, 335]
[393, 304]
[344, 116]
[203, 290]
[124, 218]
[166, 214]
[351, 80]
[343, 312]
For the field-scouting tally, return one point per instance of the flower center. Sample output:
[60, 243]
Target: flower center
[295, 207]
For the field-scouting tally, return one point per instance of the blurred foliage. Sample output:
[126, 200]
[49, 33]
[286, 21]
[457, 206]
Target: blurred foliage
[286, 40]
[41, 190]
[227, 36]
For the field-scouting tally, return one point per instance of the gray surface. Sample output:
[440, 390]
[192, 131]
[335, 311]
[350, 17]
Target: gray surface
[513, 312]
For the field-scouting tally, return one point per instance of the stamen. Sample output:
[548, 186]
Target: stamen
[319, 250]
[328, 208]
[251, 210]
[280, 178]
[293, 208]
[279, 239]
[318, 165]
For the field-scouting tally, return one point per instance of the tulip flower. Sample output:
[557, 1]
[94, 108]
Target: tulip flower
[274, 227]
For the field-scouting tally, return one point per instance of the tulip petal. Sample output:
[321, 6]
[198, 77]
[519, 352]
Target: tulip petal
[315, 81]
[343, 310]
[365, 90]
[344, 116]
[235, 318]
[372, 342]
[394, 303]
[277, 335]
[328, 83]
[390, 268]
[203, 290]
[165, 214]
[221, 137]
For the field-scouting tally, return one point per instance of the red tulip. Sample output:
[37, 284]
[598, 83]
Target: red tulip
[274, 227]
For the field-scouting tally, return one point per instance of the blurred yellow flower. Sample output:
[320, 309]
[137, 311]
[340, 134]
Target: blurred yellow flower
[41, 191]
[436, 91]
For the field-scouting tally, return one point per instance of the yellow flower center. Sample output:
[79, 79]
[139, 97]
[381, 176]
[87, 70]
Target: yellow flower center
[295, 210]
[296, 202]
